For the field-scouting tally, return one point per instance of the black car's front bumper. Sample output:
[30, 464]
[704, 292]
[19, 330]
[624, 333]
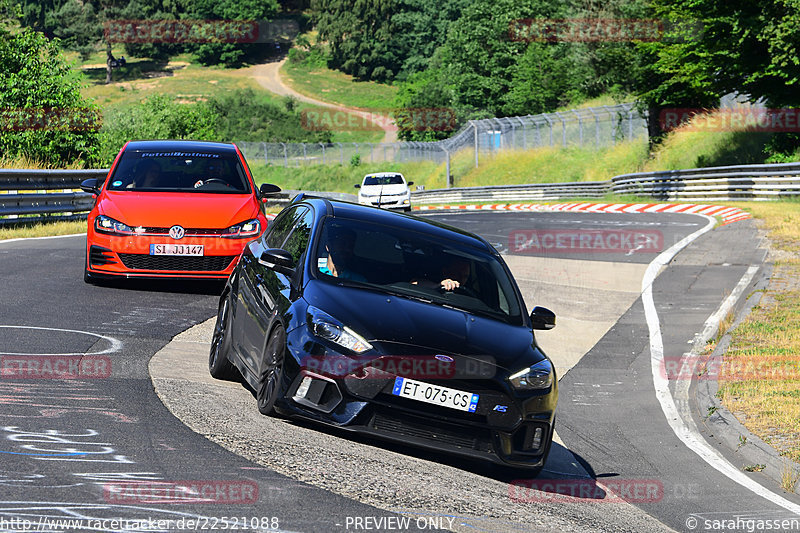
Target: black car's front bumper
[520, 437]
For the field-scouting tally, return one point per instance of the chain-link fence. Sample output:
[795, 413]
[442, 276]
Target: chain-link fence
[595, 127]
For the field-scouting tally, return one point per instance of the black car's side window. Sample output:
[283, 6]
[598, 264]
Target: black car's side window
[297, 242]
[282, 226]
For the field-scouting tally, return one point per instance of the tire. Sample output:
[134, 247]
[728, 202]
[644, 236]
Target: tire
[219, 366]
[270, 381]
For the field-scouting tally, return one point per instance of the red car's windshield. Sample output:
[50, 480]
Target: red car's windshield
[164, 171]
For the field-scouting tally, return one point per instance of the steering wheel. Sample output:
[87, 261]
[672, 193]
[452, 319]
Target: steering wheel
[217, 180]
[461, 289]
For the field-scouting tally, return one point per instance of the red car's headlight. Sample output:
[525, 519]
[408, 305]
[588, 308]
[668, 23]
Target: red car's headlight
[251, 228]
[104, 224]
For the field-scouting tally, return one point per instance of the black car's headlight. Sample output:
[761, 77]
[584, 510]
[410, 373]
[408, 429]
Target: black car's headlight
[536, 377]
[251, 228]
[108, 225]
[325, 326]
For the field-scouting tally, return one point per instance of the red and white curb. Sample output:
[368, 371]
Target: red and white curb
[727, 214]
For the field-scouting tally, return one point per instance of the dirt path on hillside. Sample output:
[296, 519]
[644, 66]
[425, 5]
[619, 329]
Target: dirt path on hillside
[269, 77]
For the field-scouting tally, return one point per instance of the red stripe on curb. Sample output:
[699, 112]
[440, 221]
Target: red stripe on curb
[726, 213]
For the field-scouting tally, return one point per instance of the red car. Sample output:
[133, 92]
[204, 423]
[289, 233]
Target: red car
[177, 209]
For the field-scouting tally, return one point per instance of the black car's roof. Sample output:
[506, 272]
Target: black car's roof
[411, 223]
[176, 145]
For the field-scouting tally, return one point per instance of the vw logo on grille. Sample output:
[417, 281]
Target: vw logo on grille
[444, 358]
[177, 232]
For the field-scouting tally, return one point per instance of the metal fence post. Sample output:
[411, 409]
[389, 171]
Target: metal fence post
[447, 166]
[341, 154]
[305, 155]
[613, 122]
[524, 133]
[550, 124]
[580, 128]
[266, 156]
[323, 153]
[596, 128]
[630, 124]
[475, 125]
[285, 156]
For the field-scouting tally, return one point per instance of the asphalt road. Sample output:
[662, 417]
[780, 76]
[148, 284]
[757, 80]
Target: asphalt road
[76, 448]
[71, 448]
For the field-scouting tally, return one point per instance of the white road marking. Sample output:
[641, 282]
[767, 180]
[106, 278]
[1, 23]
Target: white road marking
[691, 438]
[115, 345]
[4, 241]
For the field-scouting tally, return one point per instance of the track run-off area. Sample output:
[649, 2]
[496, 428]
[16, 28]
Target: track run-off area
[637, 291]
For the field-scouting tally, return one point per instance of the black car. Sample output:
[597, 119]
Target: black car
[388, 325]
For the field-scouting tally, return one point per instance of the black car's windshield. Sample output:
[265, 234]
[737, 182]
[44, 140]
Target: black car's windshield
[385, 179]
[175, 171]
[416, 265]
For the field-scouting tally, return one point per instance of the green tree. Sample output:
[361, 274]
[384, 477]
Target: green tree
[712, 49]
[359, 33]
[230, 53]
[44, 116]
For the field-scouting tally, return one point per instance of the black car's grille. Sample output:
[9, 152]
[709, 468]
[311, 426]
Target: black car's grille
[167, 262]
[434, 431]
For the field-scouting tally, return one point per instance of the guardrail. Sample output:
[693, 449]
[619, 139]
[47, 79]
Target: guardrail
[730, 183]
[48, 195]
[36, 195]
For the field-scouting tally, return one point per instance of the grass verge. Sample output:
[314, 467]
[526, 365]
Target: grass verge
[337, 87]
[760, 378]
[45, 229]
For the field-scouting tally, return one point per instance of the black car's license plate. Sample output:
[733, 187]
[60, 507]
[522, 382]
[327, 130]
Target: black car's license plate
[435, 394]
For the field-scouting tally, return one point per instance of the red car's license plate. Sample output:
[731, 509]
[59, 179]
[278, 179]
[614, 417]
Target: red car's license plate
[176, 249]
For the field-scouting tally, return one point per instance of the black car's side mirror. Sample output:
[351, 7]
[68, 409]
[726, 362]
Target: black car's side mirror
[268, 188]
[357, 185]
[278, 260]
[543, 318]
[410, 183]
[90, 185]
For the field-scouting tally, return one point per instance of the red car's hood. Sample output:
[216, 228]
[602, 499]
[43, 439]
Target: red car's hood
[190, 210]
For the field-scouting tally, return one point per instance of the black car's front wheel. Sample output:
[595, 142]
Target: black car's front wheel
[269, 384]
[218, 364]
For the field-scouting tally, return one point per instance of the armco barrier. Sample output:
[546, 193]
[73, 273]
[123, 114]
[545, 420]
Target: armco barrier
[39, 195]
[55, 194]
[742, 182]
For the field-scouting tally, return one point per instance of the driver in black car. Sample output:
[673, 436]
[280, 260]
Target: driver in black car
[455, 273]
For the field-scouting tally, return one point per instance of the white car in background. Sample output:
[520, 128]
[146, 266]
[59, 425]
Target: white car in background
[385, 189]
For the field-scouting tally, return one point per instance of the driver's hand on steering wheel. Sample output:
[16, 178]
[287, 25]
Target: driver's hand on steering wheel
[450, 284]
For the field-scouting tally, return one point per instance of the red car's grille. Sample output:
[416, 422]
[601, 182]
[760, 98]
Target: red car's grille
[187, 263]
[189, 231]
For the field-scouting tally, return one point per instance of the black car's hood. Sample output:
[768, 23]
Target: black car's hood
[423, 327]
